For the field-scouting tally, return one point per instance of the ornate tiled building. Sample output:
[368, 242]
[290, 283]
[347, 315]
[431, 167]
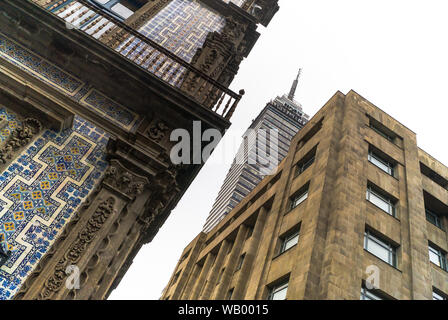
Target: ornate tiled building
[366, 218]
[90, 91]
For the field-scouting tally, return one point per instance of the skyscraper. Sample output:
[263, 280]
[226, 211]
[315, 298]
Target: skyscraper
[366, 219]
[247, 170]
[90, 91]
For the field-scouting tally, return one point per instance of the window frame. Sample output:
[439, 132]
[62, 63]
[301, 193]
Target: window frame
[437, 220]
[299, 197]
[390, 202]
[440, 254]
[381, 129]
[438, 293]
[391, 249]
[230, 294]
[287, 238]
[366, 293]
[373, 156]
[301, 167]
[240, 262]
[278, 288]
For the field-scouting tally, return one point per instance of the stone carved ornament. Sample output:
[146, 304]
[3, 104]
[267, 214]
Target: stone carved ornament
[119, 178]
[218, 50]
[19, 138]
[77, 248]
[157, 131]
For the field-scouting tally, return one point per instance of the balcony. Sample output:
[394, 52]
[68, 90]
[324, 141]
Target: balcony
[144, 52]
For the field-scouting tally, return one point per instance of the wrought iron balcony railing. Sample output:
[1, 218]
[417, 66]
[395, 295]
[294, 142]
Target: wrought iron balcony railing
[149, 55]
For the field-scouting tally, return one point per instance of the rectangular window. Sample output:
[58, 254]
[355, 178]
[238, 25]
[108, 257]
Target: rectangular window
[176, 277]
[278, 292]
[290, 240]
[380, 248]
[380, 200]
[433, 218]
[434, 176]
[381, 163]
[230, 294]
[311, 133]
[437, 256]
[437, 295]
[299, 197]
[306, 161]
[240, 262]
[367, 294]
[382, 130]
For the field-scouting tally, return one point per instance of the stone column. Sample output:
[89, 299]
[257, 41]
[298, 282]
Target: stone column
[84, 244]
[212, 278]
[191, 282]
[203, 276]
[239, 291]
[231, 263]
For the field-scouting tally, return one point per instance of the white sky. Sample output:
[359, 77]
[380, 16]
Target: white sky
[393, 53]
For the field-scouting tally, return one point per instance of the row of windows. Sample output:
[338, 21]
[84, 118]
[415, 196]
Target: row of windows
[279, 291]
[387, 251]
[386, 164]
[376, 245]
[367, 294]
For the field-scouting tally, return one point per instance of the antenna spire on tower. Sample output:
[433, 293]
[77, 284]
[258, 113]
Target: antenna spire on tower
[294, 86]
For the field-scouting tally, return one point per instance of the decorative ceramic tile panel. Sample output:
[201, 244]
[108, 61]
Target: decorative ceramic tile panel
[73, 87]
[38, 67]
[110, 109]
[181, 27]
[40, 192]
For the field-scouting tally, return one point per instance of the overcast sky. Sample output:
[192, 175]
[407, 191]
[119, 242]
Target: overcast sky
[393, 53]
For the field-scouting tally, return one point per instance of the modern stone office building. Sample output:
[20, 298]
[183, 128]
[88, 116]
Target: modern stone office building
[286, 117]
[90, 91]
[366, 218]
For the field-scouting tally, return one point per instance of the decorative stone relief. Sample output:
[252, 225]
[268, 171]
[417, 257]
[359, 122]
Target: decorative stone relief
[122, 180]
[77, 248]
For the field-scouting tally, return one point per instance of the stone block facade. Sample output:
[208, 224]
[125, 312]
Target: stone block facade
[370, 206]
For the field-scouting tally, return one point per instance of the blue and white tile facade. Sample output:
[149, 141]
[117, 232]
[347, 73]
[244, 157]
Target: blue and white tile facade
[40, 192]
[57, 78]
[181, 27]
[42, 189]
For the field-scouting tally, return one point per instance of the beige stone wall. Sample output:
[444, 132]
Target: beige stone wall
[329, 261]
